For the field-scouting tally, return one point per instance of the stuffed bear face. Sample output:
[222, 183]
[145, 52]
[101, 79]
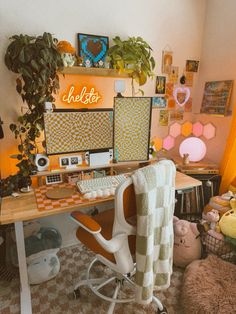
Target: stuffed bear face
[213, 215]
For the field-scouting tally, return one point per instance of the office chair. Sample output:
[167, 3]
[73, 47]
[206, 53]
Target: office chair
[111, 235]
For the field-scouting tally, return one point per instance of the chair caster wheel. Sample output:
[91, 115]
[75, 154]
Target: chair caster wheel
[164, 311]
[76, 293]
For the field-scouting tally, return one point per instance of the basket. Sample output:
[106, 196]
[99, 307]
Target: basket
[221, 248]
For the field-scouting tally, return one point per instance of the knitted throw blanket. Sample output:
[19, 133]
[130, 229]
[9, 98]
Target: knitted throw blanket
[155, 198]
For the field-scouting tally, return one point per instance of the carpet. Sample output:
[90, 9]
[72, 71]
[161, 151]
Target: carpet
[56, 295]
[209, 287]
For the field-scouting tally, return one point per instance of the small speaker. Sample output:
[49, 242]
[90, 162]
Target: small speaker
[41, 162]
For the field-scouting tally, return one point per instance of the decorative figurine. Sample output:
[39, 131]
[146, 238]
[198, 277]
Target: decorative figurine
[67, 53]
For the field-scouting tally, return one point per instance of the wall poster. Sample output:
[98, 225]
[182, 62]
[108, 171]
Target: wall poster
[216, 97]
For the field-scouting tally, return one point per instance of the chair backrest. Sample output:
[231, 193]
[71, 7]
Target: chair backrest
[124, 222]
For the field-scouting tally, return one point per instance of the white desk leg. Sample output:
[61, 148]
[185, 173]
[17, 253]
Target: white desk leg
[25, 296]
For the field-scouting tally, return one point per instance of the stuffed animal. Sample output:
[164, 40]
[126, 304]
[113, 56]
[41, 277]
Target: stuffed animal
[43, 266]
[228, 223]
[187, 242]
[212, 220]
[67, 53]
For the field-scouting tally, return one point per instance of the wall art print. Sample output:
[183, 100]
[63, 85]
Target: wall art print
[216, 97]
[192, 65]
[160, 85]
[132, 122]
[164, 117]
[174, 74]
[167, 59]
[93, 49]
[159, 102]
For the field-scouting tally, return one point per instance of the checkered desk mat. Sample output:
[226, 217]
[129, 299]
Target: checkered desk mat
[45, 203]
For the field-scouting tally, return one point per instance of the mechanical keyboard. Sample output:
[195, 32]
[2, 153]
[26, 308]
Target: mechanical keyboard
[107, 182]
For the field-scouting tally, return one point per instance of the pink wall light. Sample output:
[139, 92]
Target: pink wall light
[193, 146]
[197, 129]
[168, 142]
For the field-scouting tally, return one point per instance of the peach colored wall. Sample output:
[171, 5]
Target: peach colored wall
[218, 62]
[177, 23]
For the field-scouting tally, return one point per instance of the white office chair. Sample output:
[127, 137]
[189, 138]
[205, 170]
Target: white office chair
[111, 235]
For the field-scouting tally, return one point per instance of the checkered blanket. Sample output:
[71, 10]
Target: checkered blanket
[155, 197]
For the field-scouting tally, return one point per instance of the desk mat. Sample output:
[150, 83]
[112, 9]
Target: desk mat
[45, 203]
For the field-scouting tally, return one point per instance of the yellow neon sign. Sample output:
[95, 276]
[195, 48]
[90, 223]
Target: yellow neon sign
[85, 96]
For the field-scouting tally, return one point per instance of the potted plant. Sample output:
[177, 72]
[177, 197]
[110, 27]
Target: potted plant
[37, 61]
[132, 56]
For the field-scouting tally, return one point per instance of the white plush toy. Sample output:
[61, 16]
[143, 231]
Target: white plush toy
[43, 266]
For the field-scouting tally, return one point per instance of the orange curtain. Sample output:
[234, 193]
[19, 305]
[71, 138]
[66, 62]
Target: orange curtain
[228, 165]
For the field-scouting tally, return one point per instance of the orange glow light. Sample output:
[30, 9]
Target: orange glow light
[85, 96]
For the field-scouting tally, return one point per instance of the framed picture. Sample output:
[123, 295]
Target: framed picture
[216, 97]
[188, 78]
[174, 74]
[164, 117]
[167, 59]
[192, 65]
[92, 49]
[159, 102]
[160, 85]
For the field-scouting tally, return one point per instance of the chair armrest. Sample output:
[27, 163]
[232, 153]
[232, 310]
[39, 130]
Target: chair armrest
[112, 245]
[86, 222]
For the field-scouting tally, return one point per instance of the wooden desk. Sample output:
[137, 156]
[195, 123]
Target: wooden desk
[24, 207]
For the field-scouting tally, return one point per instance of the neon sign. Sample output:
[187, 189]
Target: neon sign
[85, 96]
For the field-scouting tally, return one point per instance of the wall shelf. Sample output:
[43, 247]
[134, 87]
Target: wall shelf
[86, 168]
[76, 70]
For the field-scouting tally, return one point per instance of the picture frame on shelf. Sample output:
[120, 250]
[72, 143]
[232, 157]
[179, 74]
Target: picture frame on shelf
[93, 49]
[216, 97]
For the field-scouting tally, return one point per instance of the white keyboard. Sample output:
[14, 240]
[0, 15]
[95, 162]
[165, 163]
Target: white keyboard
[108, 182]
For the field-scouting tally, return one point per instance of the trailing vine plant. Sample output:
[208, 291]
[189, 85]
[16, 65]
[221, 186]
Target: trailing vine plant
[37, 62]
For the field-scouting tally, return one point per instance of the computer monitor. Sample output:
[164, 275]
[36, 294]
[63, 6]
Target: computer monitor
[132, 123]
[69, 131]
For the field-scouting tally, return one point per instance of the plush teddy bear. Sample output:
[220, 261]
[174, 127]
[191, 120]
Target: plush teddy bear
[187, 242]
[212, 219]
[67, 53]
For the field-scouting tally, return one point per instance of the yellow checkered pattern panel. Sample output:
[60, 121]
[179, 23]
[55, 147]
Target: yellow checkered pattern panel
[131, 128]
[78, 131]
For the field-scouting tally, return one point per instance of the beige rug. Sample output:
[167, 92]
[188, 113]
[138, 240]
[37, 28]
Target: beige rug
[56, 295]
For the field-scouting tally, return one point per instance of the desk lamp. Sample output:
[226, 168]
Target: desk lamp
[119, 87]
